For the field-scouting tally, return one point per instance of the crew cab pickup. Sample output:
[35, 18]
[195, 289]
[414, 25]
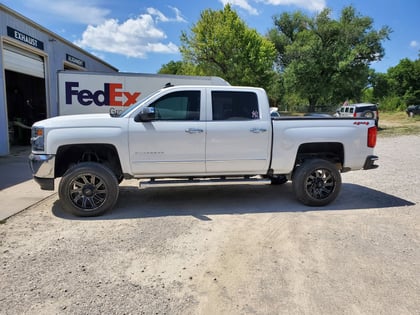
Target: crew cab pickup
[193, 133]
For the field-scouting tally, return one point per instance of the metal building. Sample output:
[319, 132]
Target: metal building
[30, 57]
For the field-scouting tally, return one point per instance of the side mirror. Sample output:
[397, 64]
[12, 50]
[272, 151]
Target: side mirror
[146, 114]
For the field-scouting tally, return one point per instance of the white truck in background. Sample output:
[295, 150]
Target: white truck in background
[97, 92]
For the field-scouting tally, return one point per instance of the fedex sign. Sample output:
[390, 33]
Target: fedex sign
[83, 92]
[111, 95]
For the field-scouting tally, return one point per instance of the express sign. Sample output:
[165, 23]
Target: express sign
[113, 94]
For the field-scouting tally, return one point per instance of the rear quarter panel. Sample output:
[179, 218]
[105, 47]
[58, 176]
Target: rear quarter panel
[290, 133]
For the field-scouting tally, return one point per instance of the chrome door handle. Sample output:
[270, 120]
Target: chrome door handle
[194, 130]
[258, 130]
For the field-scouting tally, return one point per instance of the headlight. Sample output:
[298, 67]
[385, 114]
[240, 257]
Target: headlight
[37, 139]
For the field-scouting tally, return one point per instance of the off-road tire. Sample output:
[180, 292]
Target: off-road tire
[316, 182]
[88, 189]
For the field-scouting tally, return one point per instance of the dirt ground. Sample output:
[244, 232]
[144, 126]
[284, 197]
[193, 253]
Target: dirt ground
[237, 249]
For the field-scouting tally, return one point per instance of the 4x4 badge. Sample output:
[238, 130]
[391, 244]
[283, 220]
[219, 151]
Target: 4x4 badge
[361, 123]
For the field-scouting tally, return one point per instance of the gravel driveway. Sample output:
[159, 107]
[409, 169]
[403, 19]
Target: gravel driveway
[234, 249]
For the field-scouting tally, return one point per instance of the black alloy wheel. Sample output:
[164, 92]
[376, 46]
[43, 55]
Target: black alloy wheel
[316, 182]
[88, 189]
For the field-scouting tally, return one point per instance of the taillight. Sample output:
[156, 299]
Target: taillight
[355, 114]
[372, 134]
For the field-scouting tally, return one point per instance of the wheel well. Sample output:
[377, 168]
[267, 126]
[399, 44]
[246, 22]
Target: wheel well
[331, 151]
[69, 155]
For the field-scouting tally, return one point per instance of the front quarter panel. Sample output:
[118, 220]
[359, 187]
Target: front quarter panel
[111, 131]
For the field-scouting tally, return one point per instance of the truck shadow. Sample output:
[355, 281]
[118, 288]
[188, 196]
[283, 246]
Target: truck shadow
[204, 201]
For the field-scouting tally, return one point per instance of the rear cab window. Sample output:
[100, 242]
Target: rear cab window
[234, 105]
[365, 108]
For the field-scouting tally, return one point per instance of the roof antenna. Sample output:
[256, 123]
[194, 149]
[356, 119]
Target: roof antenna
[169, 84]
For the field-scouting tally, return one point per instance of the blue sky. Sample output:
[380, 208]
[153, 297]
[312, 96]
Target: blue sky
[142, 35]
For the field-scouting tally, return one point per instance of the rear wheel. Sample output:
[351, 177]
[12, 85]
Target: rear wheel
[88, 189]
[316, 182]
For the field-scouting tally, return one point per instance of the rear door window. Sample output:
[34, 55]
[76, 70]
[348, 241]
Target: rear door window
[234, 105]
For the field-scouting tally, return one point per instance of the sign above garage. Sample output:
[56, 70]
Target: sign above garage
[75, 60]
[25, 38]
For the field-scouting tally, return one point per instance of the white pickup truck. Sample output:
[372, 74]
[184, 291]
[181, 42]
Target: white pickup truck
[193, 133]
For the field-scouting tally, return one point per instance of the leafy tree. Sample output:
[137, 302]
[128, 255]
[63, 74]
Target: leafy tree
[287, 28]
[404, 82]
[275, 91]
[379, 82]
[220, 44]
[326, 60]
[398, 87]
[179, 68]
[172, 67]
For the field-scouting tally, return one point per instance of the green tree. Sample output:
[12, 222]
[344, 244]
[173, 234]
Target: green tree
[404, 81]
[220, 44]
[397, 88]
[179, 68]
[287, 27]
[326, 60]
[172, 67]
[379, 82]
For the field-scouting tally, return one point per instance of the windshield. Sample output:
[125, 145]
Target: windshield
[131, 108]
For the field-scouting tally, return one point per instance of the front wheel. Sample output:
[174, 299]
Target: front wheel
[316, 182]
[88, 189]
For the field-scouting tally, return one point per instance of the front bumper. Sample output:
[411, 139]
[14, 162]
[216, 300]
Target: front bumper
[42, 167]
[370, 162]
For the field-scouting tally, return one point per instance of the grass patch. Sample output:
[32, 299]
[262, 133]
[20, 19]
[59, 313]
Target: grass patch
[400, 117]
[398, 124]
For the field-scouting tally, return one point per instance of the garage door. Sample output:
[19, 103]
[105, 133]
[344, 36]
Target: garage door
[22, 61]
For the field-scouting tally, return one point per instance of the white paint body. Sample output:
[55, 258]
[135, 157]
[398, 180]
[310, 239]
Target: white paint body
[208, 147]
